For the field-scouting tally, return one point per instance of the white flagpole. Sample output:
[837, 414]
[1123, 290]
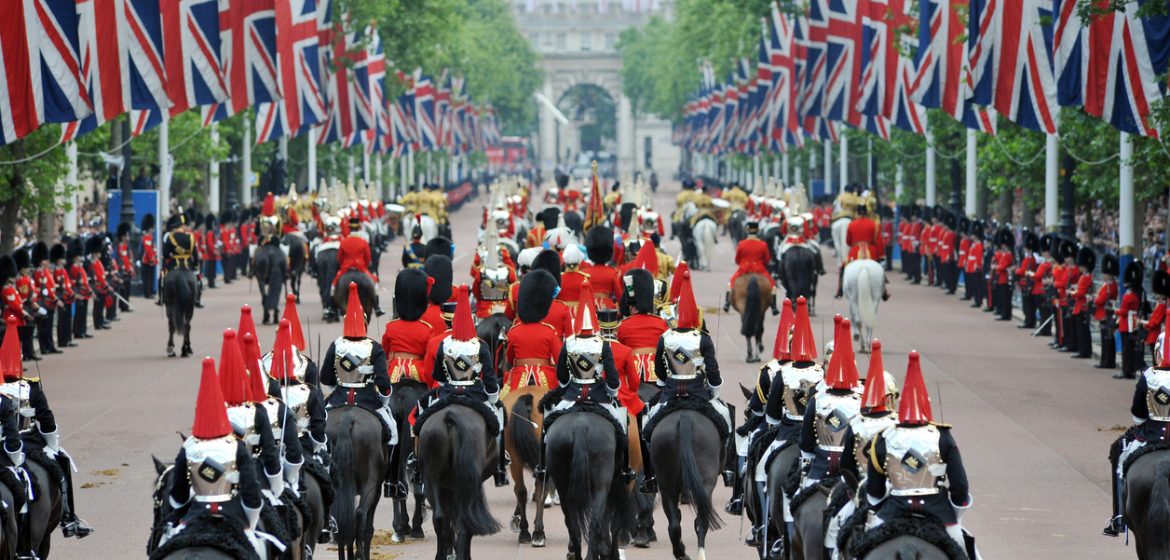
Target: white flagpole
[213, 175]
[246, 167]
[931, 186]
[1051, 174]
[71, 182]
[311, 156]
[972, 167]
[164, 171]
[843, 165]
[1126, 232]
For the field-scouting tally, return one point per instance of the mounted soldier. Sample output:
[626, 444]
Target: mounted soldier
[752, 256]
[604, 278]
[414, 253]
[491, 275]
[830, 413]
[865, 242]
[533, 343]
[641, 327]
[178, 251]
[353, 253]
[292, 378]
[405, 339]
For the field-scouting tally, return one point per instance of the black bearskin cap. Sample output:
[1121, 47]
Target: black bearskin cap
[40, 252]
[627, 213]
[147, 223]
[1068, 250]
[22, 259]
[56, 252]
[410, 294]
[123, 230]
[441, 246]
[599, 245]
[93, 244]
[1005, 237]
[1110, 265]
[74, 249]
[439, 267]
[549, 217]
[550, 261]
[977, 229]
[637, 292]
[1046, 243]
[964, 225]
[1031, 242]
[1161, 283]
[537, 290]
[209, 221]
[1135, 273]
[8, 269]
[227, 216]
[925, 213]
[1087, 258]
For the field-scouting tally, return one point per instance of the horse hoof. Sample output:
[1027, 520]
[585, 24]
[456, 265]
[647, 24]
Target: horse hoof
[417, 534]
[515, 524]
[397, 538]
[641, 540]
[538, 539]
[170, 352]
[525, 537]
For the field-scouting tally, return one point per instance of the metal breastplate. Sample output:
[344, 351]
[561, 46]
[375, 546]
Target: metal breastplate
[275, 420]
[300, 365]
[212, 469]
[296, 398]
[1158, 394]
[681, 353]
[799, 386]
[461, 361]
[243, 420]
[493, 285]
[864, 430]
[661, 292]
[20, 392]
[584, 354]
[352, 361]
[833, 415]
[914, 465]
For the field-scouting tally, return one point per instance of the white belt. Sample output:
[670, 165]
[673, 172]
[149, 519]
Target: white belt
[1160, 418]
[354, 385]
[832, 448]
[580, 381]
[465, 383]
[213, 498]
[365, 370]
[683, 377]
[914, 492]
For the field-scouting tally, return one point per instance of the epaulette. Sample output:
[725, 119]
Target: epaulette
[941, 425]
[877, 464]
[552, 328]
[423, 322]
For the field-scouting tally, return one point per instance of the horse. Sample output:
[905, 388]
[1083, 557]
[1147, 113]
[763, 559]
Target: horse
[1147, 504]
[44, 512]
[297, 259]
[906, 547]
[430, 229]
[493, 330]
[522, 442]
[407, 393]
[864, 282]
[798, 273]
[162, 510]
[325, 266]
[314, 522]
[367, 293]
[840, 228]
[751, 298]
[808, 522]
[179, 290]
[455, 455]
[9, 529]
[581, 454]
[735, 225]
[360, 455]
[703, 233]
[270, 269]
[775, 502]
[676, 446]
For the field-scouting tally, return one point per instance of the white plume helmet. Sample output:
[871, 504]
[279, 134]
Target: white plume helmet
[572, 255]
[525, 258]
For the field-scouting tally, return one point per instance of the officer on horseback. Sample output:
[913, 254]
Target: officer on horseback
[178, 251]
[353, 253]
[865, 242]
[414, 254]
[292, 378]
[830, 413]
[685, 365]
[356, 366]
[752, 256]
[915, 467]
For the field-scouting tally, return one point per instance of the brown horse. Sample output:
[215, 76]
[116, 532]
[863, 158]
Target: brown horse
[522, 441]
[751, 297]
[1147, 504]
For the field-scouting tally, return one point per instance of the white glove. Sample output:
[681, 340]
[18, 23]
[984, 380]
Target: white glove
[42, 312]
[494, 398]
[17, 457]
[960, 510]
[253, 517]
[275, 484]
[715, 390]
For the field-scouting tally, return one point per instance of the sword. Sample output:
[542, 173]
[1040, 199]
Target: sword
[122, 299]
[513, 414]
[1042, 325]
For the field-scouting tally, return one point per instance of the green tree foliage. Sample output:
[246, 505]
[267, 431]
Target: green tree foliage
[32, 186]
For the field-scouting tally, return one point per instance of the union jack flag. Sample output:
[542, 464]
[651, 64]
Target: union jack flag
[941, 80]
[783, 126]
[104, 66]
[148, 76]
[248, 35]
[195, 74]
[424, 110]
[885, 73]
[815, 39]
[360, 93]
[1011, 64]
[401, 127]
[298, 62]
[843, 60]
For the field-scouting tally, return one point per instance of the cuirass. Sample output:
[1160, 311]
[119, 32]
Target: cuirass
[864, 430]
[461, 360]
[914, 465]
[275, 418]
[661, 291]
[211, 468]
[1158, 394]
[493, 285]
[799, 386]
[21, 393]
[243, 420]
[299, 365]
[353, 362]
[584, 355]
[681, 352]
[833, 415]
[296, 398]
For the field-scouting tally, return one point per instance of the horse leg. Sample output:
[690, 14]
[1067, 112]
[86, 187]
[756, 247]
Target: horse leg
[420, 514]
[171, 339]
[750, 350]
[443, 531]
[520, 490]
[187, 340]
[401, 521]
[538, 538]
[674, 525]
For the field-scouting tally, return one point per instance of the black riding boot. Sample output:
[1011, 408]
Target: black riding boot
[501, 477]
[727, 301]
[840, 282]
[775, 310]
[199, 295]
[1116, 523]
[735, 505]
[392, 487]
[649, 484]
[71, 525]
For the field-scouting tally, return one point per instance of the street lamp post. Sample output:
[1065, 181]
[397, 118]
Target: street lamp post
[127, 214]
[1068, 224]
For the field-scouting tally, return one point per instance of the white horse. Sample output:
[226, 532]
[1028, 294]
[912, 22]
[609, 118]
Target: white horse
[864, 281]
[840, 229]
[430, 229]
[704, 232]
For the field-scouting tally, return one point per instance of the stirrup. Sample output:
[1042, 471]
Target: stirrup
[1115, 527]
[649, 485]
[753, 538]
[76, 528]
[734, 507]
[501, 478]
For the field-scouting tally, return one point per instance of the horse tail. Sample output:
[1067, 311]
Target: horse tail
[344, 506]
[692, 481]
[1159, 513]
[470, 508]
[523, 435]
[865, 298]
[576, 502]
[752, 314]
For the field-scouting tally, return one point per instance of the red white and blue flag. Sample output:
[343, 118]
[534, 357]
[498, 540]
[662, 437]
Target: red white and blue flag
[885, 72]
[102, 36]
[941, 81]
[1010, 60]
[843, 60]
[248, 33]
[299, 68]
[195, 73]
[424, 110]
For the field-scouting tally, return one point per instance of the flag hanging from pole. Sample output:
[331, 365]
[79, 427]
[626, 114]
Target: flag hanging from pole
[595, 212]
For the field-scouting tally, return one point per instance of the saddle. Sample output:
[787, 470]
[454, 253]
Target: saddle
[696, 404]
[491, 425]
[324, 480]
[586, 407]
[824, 485]
[919, 528]
[1142, 451]
[209, 531]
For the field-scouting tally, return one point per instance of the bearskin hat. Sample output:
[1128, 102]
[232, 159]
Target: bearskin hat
[147, 222]
[550, 261]
[40, 252]
[123, 230]
[977, 229]
[1087, 258]
[440, 246]
[174, 222]
[1110, 265]
[8, 269]
[626, 213]
[227, 216]
[1161, 283]
[939, 213]
[1031, 242]
[637, 292]
[22, 259]
[209, 221]
[964, 225]
[925, 213]
[549, 217]
[948, 219]
[439, 268]
[74, 249]
[599, 245]
[1005, 237]
[93, 244]
[1135, 273]
[1045, 243]
[1068, 250]
[537, 290]
[410, 294]
[57, 252]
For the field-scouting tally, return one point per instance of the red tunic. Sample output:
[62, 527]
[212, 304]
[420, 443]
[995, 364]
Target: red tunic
[533, 349]
[606, 284]
[864, 240]
[946, 250]
[13, 305]
[61, 278]
[1003, 262]
[26, 288]
[751, 257]
[1081, 299]
[627, 366]
[1105, 294]
[974, 258]
[1042, 270]
[1127, 314]
[560, 317]
[641, 333]
[1154, 325]
[1026, 266]
[126, 257]
[405, 343]
[149, 257]
[46, 286]
[353, 253]
[80, 282]
[291, 223]
[434, 317]
[571, 282]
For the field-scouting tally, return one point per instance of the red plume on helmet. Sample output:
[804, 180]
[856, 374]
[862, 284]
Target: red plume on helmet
[233, 378]
[874, 399]
[842, 372]
[297, 338]
[1164, 359]
[282, 355]
[676, 282]
[586, 319]
[462, 325]
[648, 257]
[247, 327]
[256, 383]
[914, 408]
[10, 357]
[780, 349]
[211, 419]
[268, 209]
[804, 347]
[355, 316]
[688, 311]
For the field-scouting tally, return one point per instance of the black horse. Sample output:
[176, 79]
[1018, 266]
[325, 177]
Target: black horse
[360, 456]
[270, 268]
[297, 260]
[325, 268]
[367, 292]
[688, 455]
[493, 331]
[178, 294]
[407, 393]
[798, 273]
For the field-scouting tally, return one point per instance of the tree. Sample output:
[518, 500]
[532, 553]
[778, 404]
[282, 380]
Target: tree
[30, 176]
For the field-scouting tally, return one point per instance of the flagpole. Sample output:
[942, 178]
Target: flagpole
[213, 174]
[311, 155]
[246, 155]
[378, 175]
[71, 182]
[812, 166]
[899, 181]
[972, 163]
[164, 170]
[365, 165]
[843, 166]
[931, 186]
[828, 163]
[756, 172]
[1125, 233]
[1051, 173]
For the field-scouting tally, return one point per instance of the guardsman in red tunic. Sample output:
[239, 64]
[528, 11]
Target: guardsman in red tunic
[947, 256]
[149, 261]
[353, 253]
[865, 242]
[439, 271]
[1001, 274]
[572, 278]
[1058, 290]
[533, 344]
[212, 249]
[60, 271]
[560, 317]
[13, 304]
[888, 236]
[1103, 304]
[1086, 262]
[1161, 288]
[1024, 275]
[1129, 321]
[101, 286]
[973, 268]
[963, 231]
[641, 327]
[46, 289]
[915, 244]
[605, 280]
[75, 252]
[28, 296]
[1042, 282]
[405, 339]
[752, 256]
